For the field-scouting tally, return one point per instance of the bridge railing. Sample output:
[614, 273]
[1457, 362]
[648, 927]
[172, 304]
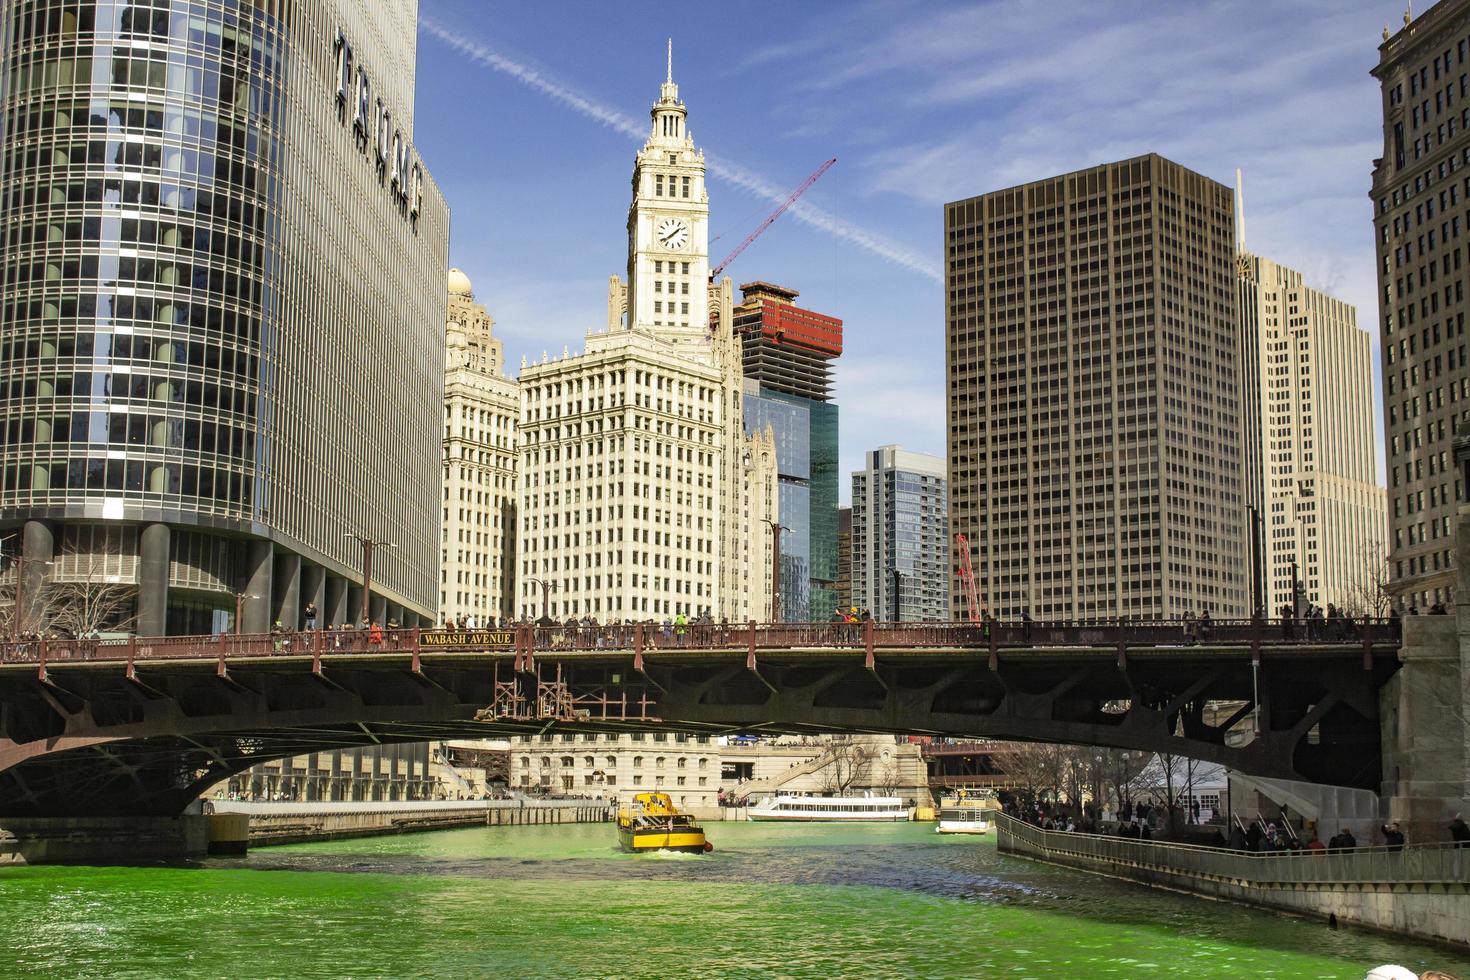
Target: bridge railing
[993, 636]
[1438, 862]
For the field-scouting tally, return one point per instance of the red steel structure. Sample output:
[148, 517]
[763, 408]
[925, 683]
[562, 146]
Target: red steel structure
[967, 578]
[771, 219]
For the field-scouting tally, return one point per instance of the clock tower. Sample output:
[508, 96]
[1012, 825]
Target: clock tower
[668, 229]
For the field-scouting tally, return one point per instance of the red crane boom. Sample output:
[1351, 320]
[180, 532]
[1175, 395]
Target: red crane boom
[967, 578]
[713, 273]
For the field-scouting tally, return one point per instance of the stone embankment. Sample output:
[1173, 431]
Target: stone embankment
[234, 827]
[1421, 890]
[292, 823]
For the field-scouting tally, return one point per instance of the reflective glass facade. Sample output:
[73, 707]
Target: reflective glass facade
[806, 466]
[196, 334]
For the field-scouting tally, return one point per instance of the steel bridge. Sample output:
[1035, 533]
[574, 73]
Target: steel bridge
[143, 726]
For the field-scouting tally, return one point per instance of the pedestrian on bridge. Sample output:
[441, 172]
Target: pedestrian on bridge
[310, 614]
[1459, 833]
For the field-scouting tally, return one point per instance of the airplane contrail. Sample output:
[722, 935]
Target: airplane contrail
[732, 173]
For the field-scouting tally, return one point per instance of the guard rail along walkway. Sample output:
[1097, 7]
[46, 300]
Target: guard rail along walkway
[1421, 890]
[750, 637]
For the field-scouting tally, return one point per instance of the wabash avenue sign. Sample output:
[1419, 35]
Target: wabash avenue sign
[372, 124]
[468, 639]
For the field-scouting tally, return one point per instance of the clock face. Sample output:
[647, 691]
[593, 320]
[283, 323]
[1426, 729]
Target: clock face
[673, 233]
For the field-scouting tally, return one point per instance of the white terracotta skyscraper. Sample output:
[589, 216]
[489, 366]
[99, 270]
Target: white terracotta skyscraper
[641, 497]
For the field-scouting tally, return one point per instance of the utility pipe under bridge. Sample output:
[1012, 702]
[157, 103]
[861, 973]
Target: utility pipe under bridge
[143, 727]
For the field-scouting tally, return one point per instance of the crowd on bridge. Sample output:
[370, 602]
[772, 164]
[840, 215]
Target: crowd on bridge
[1144, 821]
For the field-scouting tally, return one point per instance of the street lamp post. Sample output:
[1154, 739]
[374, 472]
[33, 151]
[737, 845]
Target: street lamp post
[545, 596]
[897, 595]
[240, 598]
[369, 545]
[776, 528]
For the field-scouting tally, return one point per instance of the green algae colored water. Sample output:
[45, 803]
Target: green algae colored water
[773, 900]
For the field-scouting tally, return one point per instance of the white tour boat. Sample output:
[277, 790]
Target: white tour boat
[965, 813]
[866, 808]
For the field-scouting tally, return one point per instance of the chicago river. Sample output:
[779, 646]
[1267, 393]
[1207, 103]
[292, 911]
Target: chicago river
[816, 900]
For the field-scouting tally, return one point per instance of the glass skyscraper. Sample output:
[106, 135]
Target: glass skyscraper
[787, 353]
[221, 307]
[900, 537]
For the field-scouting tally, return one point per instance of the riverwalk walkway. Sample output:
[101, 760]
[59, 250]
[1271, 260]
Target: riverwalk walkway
[1420, 890]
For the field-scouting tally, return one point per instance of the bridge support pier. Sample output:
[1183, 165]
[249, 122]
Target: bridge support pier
[1426, 733]
[102, 840]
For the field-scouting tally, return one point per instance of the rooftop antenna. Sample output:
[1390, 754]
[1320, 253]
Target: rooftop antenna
[670, 76]
[1239, 211]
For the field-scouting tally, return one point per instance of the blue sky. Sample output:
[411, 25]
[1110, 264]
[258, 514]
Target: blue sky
[529, 115]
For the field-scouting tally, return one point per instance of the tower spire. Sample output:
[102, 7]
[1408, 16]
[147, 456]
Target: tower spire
[670, 76]
[1239, 211]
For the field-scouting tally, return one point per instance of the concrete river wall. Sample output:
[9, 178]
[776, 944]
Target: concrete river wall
[234, 827]
[1421, 891]
[290, 823]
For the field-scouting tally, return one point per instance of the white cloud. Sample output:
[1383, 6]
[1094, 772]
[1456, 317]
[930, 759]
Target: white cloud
[732, 173]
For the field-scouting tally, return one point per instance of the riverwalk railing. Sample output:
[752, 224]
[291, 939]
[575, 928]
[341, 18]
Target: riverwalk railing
[1411, 864]
[1332, 636]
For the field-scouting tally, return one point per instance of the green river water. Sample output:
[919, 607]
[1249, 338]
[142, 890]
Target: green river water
[808, 901]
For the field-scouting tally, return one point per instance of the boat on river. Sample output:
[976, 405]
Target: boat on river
[650, 822]
[965, 812]
[845, 809]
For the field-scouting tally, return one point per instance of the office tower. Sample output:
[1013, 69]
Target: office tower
[787, 353]
[1094, 420]
[221, 300]
[1421, 186]
[1306, 373]
[481, 408]
[641, 496]
[900, 537]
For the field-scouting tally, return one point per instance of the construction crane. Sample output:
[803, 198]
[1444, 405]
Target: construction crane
[715, 272]
[967, 578]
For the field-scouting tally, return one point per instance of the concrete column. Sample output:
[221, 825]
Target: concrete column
[379, 607]
[354, 603]
[335, 612]
[153, 562]
[259, 570]
[395, 613]
[38, 546]
[1424, 732]
[314, 589]
[286, 591]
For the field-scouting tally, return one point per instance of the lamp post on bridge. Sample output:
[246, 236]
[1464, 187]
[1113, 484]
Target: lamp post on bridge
[369, 545]
[776, 528]
[545, 596]
[240, 598]
[897, 594]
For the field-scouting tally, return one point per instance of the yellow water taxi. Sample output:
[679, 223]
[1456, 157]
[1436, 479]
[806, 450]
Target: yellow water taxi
[649, 822]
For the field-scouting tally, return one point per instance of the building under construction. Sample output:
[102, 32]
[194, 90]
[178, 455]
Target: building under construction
[788, 353]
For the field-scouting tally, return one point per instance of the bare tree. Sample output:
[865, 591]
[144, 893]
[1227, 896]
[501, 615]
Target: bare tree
[86, 600]
[1367, 593]
[1029, 767]
[849, 766]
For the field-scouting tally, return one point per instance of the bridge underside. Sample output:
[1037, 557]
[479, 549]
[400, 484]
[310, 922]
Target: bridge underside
[97, 739]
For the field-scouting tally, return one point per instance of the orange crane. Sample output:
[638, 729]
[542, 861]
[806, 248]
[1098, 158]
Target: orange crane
[967, 578]
[714, 273]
